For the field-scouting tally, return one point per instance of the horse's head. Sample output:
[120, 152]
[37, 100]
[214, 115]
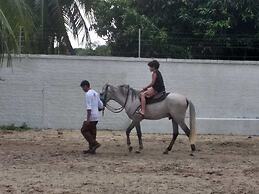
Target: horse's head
[105, 94]
[110, 92]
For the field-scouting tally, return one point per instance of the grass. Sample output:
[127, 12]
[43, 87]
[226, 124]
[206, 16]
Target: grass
[12, 127]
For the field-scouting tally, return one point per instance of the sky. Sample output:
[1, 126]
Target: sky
[97, 40]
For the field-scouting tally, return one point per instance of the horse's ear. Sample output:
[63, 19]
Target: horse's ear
[106, 84]
[120, 85]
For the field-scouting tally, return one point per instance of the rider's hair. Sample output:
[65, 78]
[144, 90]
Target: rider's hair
[155, 64]
[85, 83]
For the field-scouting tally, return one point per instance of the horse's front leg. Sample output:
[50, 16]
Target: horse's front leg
[128, 136]
[138, 128]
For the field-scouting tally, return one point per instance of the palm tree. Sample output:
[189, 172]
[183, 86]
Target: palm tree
[42, 24]
[15, 16]
[56, 19]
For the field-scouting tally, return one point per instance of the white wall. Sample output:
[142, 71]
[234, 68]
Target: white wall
[44, 91]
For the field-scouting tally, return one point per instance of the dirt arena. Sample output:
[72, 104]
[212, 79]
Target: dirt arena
[52, 161]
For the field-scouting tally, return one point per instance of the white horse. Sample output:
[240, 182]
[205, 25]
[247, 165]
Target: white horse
[174, 107]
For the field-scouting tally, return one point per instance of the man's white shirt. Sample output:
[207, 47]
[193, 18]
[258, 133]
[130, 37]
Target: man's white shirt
[93, 102]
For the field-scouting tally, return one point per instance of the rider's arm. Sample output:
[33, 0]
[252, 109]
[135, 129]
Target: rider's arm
[154, 76]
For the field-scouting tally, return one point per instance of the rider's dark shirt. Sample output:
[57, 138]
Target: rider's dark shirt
[159, 83]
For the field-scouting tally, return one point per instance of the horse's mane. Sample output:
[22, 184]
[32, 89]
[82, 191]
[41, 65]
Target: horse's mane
[134, 91]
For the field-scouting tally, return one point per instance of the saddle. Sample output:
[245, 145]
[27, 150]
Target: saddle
[157, 98]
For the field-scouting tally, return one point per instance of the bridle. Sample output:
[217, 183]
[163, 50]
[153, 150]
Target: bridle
[112, 109]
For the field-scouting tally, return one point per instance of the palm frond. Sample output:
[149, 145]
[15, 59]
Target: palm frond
[14, 16]
[6, 37]
[75, 21]
[5, 25]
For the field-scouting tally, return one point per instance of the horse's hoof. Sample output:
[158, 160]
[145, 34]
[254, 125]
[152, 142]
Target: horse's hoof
[193, 147]
[191, 154]
[165, 152]
[138, 152]
[141, 147]
[130, 149]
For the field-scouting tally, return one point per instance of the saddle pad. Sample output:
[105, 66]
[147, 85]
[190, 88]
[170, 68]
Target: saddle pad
[157, 98]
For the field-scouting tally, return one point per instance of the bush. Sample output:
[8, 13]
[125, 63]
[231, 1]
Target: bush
[12, 127]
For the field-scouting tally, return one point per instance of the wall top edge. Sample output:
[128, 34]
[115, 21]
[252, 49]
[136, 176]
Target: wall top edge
[133, 59]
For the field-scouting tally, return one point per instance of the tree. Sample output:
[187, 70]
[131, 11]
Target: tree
[56, 19]
[213, 29]
[14, 16]
[119, 21]
[41, 26]
[224, 29]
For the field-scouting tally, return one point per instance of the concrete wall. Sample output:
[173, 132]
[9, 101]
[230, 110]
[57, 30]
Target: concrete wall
[44, 91]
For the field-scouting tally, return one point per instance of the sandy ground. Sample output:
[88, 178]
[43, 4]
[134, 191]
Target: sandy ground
[52, 161]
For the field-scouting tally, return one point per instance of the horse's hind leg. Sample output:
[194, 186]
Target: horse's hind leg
[132, 125]
[187, 132]
[175, 134]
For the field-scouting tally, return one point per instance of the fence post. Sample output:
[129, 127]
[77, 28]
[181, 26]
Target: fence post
[139, 42]
[43, 107]
[20, 40]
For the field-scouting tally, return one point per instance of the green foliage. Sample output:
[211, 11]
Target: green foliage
[55, 19]
[14, 15]
[216, 29]
[98, 51]
[42, 24]
[12, 127]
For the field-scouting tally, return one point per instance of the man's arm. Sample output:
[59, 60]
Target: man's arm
[88, 107]
[88, 115]
[100, 104]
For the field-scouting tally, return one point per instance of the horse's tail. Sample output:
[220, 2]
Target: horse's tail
[192, 123]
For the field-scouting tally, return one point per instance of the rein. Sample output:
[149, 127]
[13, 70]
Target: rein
[115, 110]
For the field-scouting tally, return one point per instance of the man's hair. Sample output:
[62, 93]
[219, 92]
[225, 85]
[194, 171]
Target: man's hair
[85, 83]
[155, 64]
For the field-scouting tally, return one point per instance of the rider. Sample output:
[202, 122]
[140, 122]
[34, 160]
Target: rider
[155, 87]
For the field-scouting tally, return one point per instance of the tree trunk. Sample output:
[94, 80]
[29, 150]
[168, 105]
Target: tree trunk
[68, 44]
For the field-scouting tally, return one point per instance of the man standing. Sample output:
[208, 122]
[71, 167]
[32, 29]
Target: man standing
[93, 105]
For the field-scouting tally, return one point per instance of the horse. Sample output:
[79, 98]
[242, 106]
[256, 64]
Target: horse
[174, 107]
